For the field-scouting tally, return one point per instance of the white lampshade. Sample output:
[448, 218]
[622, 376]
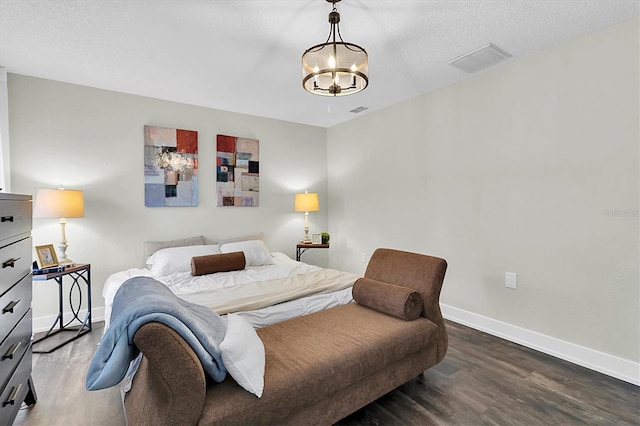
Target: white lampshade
[60, 203]
[307, 202]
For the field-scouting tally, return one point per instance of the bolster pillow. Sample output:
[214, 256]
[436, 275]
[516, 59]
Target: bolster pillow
[401, 302]
[212, 263]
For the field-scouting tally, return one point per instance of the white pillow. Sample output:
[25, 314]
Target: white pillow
[178, 259]
[243, 354]
[151, 247]
[255, 252]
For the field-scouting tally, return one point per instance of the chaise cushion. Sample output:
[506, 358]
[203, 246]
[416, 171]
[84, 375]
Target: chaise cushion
[401, 302]
[311, 357]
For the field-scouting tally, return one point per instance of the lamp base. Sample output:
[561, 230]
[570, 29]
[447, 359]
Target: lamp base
[306, 229]
[66, 262]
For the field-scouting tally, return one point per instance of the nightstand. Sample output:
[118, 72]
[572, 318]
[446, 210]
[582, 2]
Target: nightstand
[78, 274]
[301, 248]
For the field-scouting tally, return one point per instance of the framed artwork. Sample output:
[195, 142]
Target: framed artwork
[237, 171]
[46, 256]
[170, 167]
[316, 238]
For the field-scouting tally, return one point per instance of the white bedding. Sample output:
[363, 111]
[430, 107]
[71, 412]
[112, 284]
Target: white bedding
[203, 289]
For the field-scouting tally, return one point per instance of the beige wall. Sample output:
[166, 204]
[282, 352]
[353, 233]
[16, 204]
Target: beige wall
[92, 140]
[531, 167]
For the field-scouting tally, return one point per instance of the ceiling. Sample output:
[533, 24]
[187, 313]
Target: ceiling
[245, 55]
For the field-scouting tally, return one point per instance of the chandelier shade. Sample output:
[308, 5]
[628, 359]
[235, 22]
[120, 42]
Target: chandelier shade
[335, 68]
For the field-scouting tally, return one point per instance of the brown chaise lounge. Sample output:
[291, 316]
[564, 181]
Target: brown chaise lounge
[319, 368]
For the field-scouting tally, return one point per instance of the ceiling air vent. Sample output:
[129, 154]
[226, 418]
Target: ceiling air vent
[479, 59]
[359, 109]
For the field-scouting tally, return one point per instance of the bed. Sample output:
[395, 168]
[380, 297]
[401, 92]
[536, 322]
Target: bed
[271, 288]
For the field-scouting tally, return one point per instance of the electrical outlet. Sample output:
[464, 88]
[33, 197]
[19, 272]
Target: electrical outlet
[511, 280]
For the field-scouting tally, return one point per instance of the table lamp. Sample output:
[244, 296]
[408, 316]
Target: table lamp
[306, 202]
[61, 203]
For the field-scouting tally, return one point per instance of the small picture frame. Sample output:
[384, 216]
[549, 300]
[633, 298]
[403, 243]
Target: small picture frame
[46, 256]
[316, 238]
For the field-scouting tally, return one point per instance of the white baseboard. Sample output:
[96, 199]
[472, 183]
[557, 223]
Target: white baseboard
[44, 323]
[610, 365]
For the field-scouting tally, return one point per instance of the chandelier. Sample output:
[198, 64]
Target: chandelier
[335, 68]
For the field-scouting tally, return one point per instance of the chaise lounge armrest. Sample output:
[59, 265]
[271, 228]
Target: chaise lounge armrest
[419, 272]
[174, 381]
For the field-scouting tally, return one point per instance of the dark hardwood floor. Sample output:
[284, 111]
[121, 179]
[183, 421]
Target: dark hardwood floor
[483, 380]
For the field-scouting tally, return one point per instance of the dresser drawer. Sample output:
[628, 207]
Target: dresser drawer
[15, 217]
[14, 304]
[14, 347]
[15, 263]
[15, 391]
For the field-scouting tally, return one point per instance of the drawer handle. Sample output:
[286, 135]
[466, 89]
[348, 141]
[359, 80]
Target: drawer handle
[11, 262]
[12, 351]
[12, 397]
[7, 219]
[10, 306]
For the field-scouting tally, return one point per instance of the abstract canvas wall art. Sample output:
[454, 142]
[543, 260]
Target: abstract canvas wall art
[170, 167]
[237, 171]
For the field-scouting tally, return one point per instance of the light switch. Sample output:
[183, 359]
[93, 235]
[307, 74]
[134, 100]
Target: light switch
[511, 280]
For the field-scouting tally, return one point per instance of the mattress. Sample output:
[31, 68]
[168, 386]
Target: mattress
[200, 289]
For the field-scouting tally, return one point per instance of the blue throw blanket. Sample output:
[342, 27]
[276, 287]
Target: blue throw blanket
[141, 300]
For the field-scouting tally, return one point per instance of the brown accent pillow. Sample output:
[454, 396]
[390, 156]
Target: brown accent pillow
[401, 302]
[212, 263]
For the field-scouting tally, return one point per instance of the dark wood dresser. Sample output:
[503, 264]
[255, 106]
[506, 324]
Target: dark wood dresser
[16, 332]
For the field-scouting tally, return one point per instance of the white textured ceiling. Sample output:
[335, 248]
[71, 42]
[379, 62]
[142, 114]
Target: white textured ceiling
[244, 55]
